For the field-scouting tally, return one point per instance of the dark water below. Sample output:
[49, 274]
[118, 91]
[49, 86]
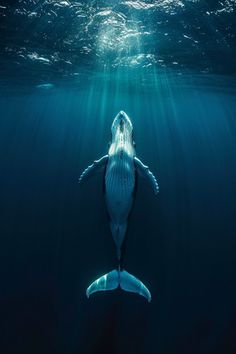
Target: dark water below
[55, 237]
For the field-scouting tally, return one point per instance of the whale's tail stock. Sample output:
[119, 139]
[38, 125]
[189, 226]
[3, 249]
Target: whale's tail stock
[122, 279]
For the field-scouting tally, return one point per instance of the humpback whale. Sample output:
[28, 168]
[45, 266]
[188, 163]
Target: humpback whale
[121, 167]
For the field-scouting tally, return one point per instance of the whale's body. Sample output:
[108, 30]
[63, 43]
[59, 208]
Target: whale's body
[120, 178]
[121, 169]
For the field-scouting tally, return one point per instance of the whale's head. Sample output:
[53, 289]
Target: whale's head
[122, 134]
[122, 124]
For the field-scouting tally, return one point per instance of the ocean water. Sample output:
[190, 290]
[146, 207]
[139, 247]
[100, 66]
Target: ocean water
[67, 68]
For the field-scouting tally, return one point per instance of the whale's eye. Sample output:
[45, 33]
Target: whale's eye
[134, 144]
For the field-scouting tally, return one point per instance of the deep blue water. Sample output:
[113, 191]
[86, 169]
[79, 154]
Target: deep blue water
[55, 237]
[55, 119]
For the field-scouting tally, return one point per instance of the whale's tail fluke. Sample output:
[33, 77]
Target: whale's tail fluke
[119, 278]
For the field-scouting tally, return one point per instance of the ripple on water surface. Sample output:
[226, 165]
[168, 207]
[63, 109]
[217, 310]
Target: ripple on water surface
[56, 40]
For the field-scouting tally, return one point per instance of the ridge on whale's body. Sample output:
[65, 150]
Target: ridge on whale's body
[121, 169]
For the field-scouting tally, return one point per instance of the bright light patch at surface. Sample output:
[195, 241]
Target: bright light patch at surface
[117, 37]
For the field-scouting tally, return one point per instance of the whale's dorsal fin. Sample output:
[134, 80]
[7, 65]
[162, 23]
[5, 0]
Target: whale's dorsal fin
[144, 172]
[91, 169]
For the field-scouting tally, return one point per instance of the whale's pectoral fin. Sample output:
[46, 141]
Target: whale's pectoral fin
[144, 172]
[96, 166]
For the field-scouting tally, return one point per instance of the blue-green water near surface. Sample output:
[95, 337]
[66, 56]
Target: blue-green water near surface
[55, 120]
